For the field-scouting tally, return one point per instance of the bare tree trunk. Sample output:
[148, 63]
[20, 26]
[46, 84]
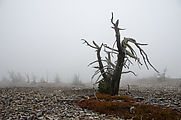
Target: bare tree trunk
[117, 75]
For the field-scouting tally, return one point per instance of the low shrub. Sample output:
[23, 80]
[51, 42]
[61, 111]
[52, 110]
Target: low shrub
[104, 87]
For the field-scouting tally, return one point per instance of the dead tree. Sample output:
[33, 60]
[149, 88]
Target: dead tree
[110, 72]
[28, 77]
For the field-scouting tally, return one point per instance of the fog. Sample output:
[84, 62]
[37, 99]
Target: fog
[43, 37]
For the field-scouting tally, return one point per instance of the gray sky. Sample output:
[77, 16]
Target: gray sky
[43, 36]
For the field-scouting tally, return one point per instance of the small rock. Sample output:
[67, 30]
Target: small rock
[132, 109]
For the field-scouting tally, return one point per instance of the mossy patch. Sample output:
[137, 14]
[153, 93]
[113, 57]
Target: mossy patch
[110, 105]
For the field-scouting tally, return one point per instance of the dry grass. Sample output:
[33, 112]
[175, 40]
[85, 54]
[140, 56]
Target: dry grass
[109, 105]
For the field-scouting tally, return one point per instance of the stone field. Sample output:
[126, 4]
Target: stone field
[58, 103]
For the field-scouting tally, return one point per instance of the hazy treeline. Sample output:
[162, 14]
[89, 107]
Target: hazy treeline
[14, 79]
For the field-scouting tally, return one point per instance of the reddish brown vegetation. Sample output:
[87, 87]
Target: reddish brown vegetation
[111, 98]
[109, 105]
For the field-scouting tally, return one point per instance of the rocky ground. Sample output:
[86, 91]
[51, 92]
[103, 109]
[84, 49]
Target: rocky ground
[164, 93]
[163, 97]
[27, 103]
[54, 103]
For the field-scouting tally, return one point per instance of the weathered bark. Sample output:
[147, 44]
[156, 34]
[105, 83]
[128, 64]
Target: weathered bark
[117, 75]
[101, 68]
[106, 83]
[120, 60]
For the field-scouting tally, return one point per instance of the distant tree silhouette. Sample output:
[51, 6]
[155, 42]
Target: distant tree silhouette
[76, 80]
[27, 77]
[16, 79]
[162, 76]
[57, 79]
